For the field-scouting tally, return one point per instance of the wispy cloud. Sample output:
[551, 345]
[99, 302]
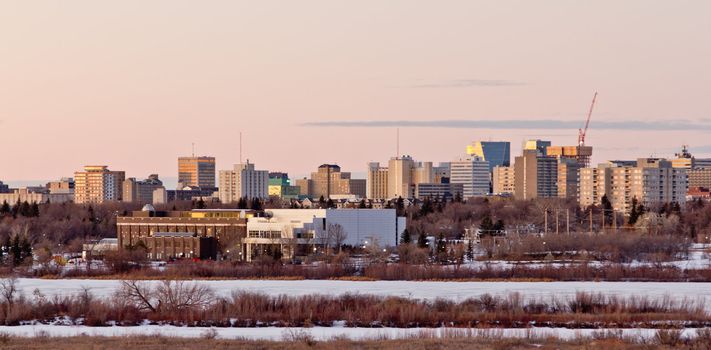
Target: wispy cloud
[550, 124]
[463, 83]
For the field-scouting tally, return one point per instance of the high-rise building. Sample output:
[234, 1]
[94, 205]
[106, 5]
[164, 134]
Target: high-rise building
[98, 184]
[503, 180]
[685, 160]
[63, 185]
[196, 172]
[497, 153]
[243, 182]
[535, 175]
[329, 181]
[540, 146]
[141, 191]
[400, 177]
[650, 181]
[377, 181]
[568, 177]
[700, 177]
[442, 173]
[473, 174]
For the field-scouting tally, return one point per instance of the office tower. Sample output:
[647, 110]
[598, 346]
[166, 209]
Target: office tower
[503, 180]
[422, 172]
[497, 153]
[400, 179]
[535, 175]
[98, 184]
[63, 185]
[243, 182]
[329, 181]
[196, 172]
[377, 181]
[650, 180]
[473, 174]
[141, 191]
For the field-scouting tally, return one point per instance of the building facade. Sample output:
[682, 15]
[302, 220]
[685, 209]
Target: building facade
[280, 186]
[651, 181]
[445, 191]
[535, 175]
[243, 182]
[497, 153]
[141, 191]
[473, 174]
[98, 184]
[503, 180]
[183, 234]
[299, 232]
[377, 181]
[329, 181]
[196, 172]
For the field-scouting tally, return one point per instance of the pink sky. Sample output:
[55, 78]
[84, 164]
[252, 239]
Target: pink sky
[132, 83]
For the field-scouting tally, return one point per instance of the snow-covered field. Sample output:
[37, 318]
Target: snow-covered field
[690, 292]
[318, 333]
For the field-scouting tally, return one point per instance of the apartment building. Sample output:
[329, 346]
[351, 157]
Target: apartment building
[196, 172]
[535, 174]
[243, 182]
[503, 180]
[650, 180]
[376, 181]
[98, 184]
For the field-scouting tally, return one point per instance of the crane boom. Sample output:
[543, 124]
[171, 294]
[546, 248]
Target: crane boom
[582, 132]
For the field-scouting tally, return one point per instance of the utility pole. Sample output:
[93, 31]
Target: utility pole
[567, 221]
[591, 220]
[557, 227]
[545, 221]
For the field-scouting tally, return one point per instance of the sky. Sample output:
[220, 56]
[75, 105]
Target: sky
[132, 84]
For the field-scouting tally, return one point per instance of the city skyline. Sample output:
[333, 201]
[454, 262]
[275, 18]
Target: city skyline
[134, 84]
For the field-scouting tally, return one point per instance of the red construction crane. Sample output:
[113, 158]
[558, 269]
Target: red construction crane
[582, 132]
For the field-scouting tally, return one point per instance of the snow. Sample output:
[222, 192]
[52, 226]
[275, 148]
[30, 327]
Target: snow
[318, 333]
[679, 291]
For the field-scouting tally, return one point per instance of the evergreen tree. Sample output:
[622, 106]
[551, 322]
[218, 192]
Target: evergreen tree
[242, 203]
[498, 226]
[256, 204]
[16, 251]
[370, 204]
[486, 226]
[34, 210]
[634, 212]
[422, 240]
[400, 206]
[470, 251]
[405, 237]
[322, 202]
[458, 197]
[362, 204]
[441, 247]
[330, 204]
[426, 207]
[607, 208]
[200, 204]
[5, 208]
[25, 209]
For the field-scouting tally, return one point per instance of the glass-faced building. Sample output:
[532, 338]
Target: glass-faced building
[497, 153]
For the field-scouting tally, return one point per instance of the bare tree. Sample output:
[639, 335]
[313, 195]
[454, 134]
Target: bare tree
[8, 290]
[169, 295]
[337, 235]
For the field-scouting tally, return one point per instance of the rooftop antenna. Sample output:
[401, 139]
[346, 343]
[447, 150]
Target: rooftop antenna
[397, 143]
[193, 149]
[240, 147]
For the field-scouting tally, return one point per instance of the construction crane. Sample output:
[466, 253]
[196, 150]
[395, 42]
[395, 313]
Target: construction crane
[582, 132]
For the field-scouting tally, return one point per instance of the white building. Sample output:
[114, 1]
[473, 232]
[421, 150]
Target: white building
[243, 182]
[300, 231]
[473, 174]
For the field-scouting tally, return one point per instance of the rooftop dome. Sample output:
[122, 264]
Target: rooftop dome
[148, 207]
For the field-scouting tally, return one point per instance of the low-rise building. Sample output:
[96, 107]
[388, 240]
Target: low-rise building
[177, 234]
